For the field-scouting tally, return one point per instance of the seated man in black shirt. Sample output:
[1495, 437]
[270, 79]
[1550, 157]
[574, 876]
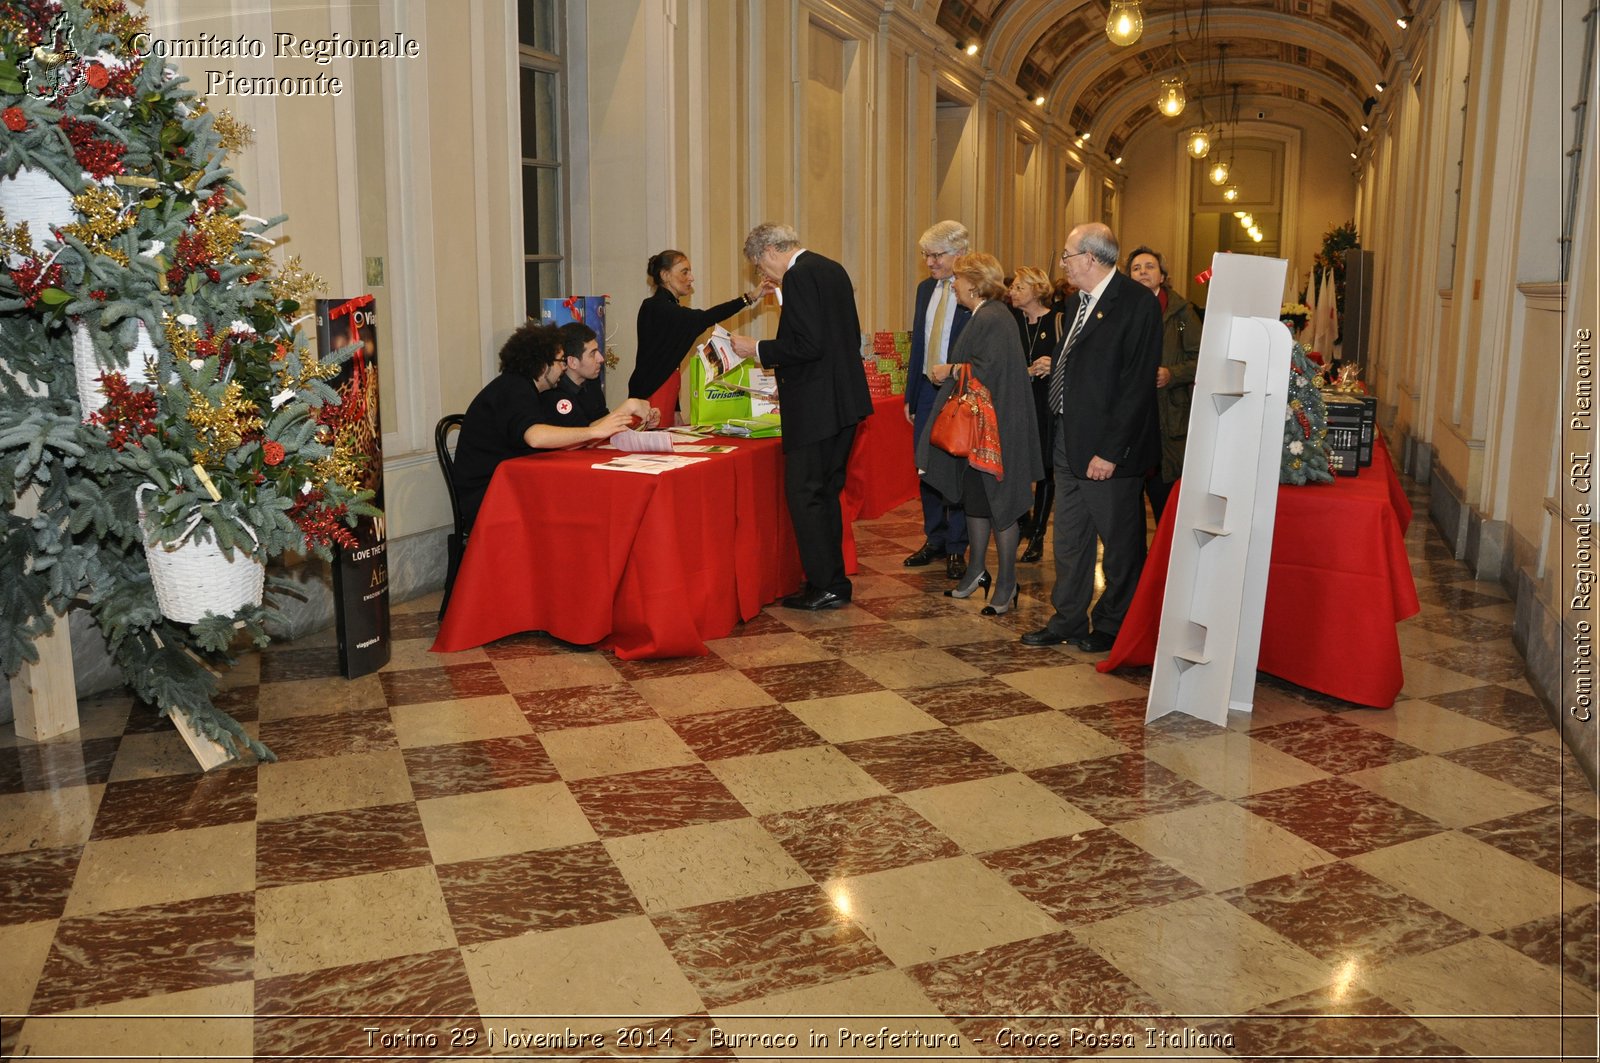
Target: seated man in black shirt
[507, 419]
[578, 398]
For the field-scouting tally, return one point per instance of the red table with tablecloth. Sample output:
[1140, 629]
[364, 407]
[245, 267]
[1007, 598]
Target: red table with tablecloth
[651, 566]
[883, 471]
[1338, 584]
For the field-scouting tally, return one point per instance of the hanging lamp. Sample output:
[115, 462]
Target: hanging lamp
[1124, 23]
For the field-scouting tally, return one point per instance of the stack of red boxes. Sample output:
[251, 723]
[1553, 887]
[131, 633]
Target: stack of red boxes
[886, 365]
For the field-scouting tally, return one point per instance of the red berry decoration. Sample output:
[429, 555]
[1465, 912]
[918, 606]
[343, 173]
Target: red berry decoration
[96, 76]
[272, 452]
[14, 119]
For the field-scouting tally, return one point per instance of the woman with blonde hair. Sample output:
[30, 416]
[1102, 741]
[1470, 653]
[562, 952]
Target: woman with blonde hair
[1040, 322]
[995, 484]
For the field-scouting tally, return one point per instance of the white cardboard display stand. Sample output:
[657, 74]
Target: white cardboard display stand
[1210, 636]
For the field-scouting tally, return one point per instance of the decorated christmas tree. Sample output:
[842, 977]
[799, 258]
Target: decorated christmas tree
[156, 402]
[1305, 426]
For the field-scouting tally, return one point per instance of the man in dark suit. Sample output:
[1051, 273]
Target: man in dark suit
[823, 389]
[1104, 406]
[936, 323]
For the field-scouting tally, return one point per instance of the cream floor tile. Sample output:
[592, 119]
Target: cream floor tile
[1424, 680]
[998, 812]
[157, 868]
[1504, 612]
[852, 717]
[1204, 957]
[903, 669]
[1470, 993]
[1426, 726]
[468, 720]
[312, 925]
[794, 778]
[1548, 737]
[316, 697]
[25, 947]
[329, 784]
[48, 819]
[683, 695]
[881, 585]
[1415, 639]
[216, 1022]
[612, 749]
[584, 978]
[936, 909]
[1233, 764]
[1040, 739]
[147, 756]
[1271, 707]
[1070, 685]
[955, 630]
[1446, 792]
[1473, 882]
[824, 619]
[883, 998]
[1519, 684]
[555, 671]
[1221, 845]
[755, 651]
[516, 819]
[710, 862]
[408, 654]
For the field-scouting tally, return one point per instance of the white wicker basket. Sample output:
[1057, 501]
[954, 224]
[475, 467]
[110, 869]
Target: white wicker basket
[40, 200]
[193, 577]
[86, 365]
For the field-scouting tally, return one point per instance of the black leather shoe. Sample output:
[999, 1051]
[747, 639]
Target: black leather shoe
[955, 566]
[814, 600]
[923, 556]
[1034, 552]
[1045, 636]
[1095, 642]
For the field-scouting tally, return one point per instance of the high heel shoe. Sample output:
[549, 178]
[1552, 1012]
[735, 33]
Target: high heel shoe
[996, 609]
[983, 581]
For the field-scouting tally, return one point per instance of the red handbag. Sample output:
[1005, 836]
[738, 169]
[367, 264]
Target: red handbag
[955, 430]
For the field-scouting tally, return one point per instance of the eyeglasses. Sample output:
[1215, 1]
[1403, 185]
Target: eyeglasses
[1068, 255]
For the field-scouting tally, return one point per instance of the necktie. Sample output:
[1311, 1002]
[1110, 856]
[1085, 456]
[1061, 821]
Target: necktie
[936, 333]
[1058, 368]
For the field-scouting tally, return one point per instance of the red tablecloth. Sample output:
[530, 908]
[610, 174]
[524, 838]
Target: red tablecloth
[1339, 581]
[650, 566]
[883, 471]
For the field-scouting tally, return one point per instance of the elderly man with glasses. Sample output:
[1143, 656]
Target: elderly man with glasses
[1104, 406]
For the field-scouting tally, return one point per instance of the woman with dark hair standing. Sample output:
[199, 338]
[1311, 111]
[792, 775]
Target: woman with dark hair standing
[667, 329]
[1180, 354]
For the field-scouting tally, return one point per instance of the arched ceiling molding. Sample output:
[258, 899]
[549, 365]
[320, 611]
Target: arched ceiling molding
[1352, 34]
[1254, 77]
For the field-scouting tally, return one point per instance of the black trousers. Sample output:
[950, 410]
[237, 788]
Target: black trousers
[813, 476]
[1112, 512]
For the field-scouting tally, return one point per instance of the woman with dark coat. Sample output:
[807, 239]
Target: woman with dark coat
[667, 329]
[1041, 325]
[991, 347]
[1180, 354]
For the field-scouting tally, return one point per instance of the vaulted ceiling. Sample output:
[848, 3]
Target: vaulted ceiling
[1320, 55]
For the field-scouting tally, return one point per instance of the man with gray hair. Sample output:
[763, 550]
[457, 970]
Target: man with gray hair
[823, 388]
[935, 324]
[1101, 397]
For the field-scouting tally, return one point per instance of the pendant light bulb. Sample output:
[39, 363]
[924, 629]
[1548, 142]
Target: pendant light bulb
[1219, 173]
[1231, 194]
[1199, 143]
[1172, 99]
[1125, 22]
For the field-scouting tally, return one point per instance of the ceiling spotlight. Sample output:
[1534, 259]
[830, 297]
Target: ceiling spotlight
[1404, 21]
[1117, 160]
[1038, 101]
[1353, 155]
[972, 49]
[1219, 173]
[1380, 86]
[1365, 128]
[1125, 22]
[1085, 135]
[1199, 142]
[1172, 100]
[1231, 193]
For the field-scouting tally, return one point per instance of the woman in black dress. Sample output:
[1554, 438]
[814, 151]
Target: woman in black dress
[667, 329]
[1039, 320]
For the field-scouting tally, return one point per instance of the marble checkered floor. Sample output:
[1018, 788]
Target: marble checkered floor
[889, 816]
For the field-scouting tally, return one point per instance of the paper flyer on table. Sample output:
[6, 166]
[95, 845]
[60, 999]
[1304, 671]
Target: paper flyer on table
[630, 441]
[649, 464]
